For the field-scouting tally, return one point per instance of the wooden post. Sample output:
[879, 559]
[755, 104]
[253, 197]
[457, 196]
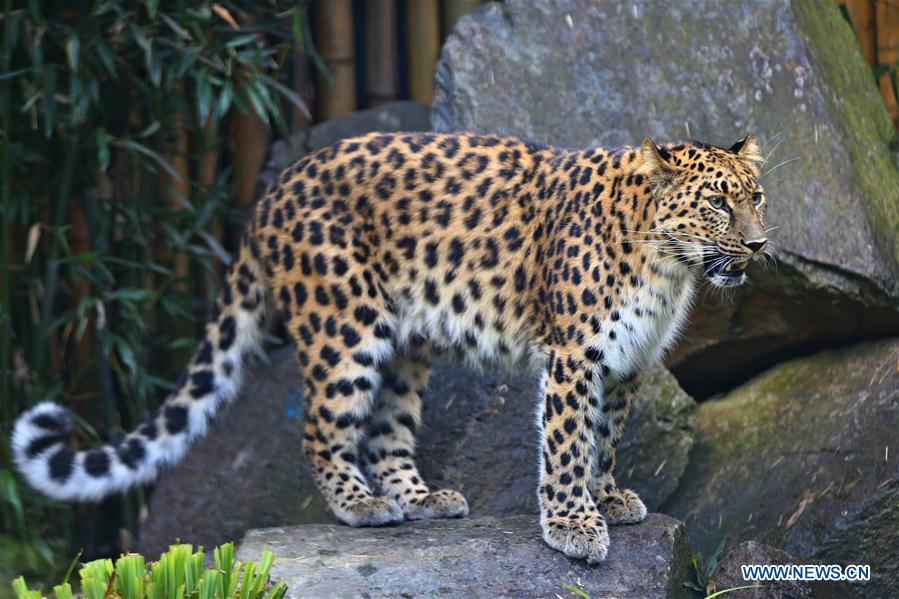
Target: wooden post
[333, 32]
[303, 87]
[423, 39]
[380, 52]
[173, 187]
[207, 148]
[861, 12]
[249, 147]
[176, 190]
[452, 10]
[886, 14]
[80, 352]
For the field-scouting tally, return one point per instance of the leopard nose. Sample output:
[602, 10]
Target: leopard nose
[756, 245]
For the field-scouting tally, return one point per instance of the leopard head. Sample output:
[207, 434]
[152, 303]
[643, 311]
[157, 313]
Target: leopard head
[710, 207]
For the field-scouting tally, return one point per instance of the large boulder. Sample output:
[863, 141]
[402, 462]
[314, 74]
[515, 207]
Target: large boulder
[478, 557]
[803, 458]
[591, 73]
[478, 436]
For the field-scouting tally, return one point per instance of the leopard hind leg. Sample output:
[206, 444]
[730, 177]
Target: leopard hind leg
[391, 444]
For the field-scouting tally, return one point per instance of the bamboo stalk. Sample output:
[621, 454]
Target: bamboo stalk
[51, 275]
[861, 12]
[452, 10]
[5, 227]
[207, 168]
[423, 39]
[176, 190]
[887, 27]
[381, 82]
[333, 33]
[80, 351]
[303, 87]
[249, 147]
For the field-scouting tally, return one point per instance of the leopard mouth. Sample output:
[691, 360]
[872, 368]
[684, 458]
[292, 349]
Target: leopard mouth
[725, 270]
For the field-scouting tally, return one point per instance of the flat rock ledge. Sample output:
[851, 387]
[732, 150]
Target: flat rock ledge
[472, 557]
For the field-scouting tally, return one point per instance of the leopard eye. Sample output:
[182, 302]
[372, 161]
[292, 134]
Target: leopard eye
[757, 198]
[717, 202]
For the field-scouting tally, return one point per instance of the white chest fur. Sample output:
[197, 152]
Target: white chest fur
[645, 323]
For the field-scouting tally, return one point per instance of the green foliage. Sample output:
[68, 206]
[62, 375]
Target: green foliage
[704, 568]
[576, 591]
[178, 574]
[107, 257]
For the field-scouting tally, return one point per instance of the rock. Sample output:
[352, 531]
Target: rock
[803, 458]
[394, 116]
[478, 437]
[598, 73]
[728, 575]
[483, 557]
[656, 446]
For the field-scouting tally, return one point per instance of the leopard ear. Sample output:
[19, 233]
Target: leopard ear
[656, 163]
[747, 148]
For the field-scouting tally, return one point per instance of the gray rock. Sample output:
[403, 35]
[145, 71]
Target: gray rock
[394, 116]
[478, 437]
[656, 446]
[728, 575]
[478, 557]
[586, 73]
[803, 458]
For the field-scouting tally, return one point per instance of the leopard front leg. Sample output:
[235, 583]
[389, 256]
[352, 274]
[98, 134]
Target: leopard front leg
[568, 515]
[619, 506]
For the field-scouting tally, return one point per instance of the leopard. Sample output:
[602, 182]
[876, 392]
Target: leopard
[383, 253]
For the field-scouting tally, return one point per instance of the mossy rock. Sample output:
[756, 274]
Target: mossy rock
[803, 458]
[583, 73]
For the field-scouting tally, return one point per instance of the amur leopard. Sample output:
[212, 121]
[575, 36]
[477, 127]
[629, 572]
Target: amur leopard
[384, 251]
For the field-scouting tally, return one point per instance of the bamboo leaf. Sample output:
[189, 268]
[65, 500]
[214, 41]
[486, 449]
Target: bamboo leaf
[204, 97]
[34, 236]
[225, 15]
[152, 8]
[242, 40]
[12, 74]
[216, 247]
[72, 50]
[174, 26]
[48, 99]
[138, 148]
[288, 93]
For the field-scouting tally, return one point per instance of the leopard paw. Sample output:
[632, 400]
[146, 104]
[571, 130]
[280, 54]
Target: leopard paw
[370, 511]
[445, 503]
[582, 537]
[621, 507]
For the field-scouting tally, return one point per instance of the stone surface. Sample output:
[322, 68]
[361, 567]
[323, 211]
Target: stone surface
[479, 557]
[394, 116]
[611, 73]
[656, 446]
[728, 575]
[478, 437]
[803, 458]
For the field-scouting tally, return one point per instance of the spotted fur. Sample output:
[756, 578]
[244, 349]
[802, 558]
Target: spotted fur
[382, 252]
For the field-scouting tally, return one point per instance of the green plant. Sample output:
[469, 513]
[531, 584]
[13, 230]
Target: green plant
[576, 591]
[703, 569]
[178, 574]
[111, 220]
